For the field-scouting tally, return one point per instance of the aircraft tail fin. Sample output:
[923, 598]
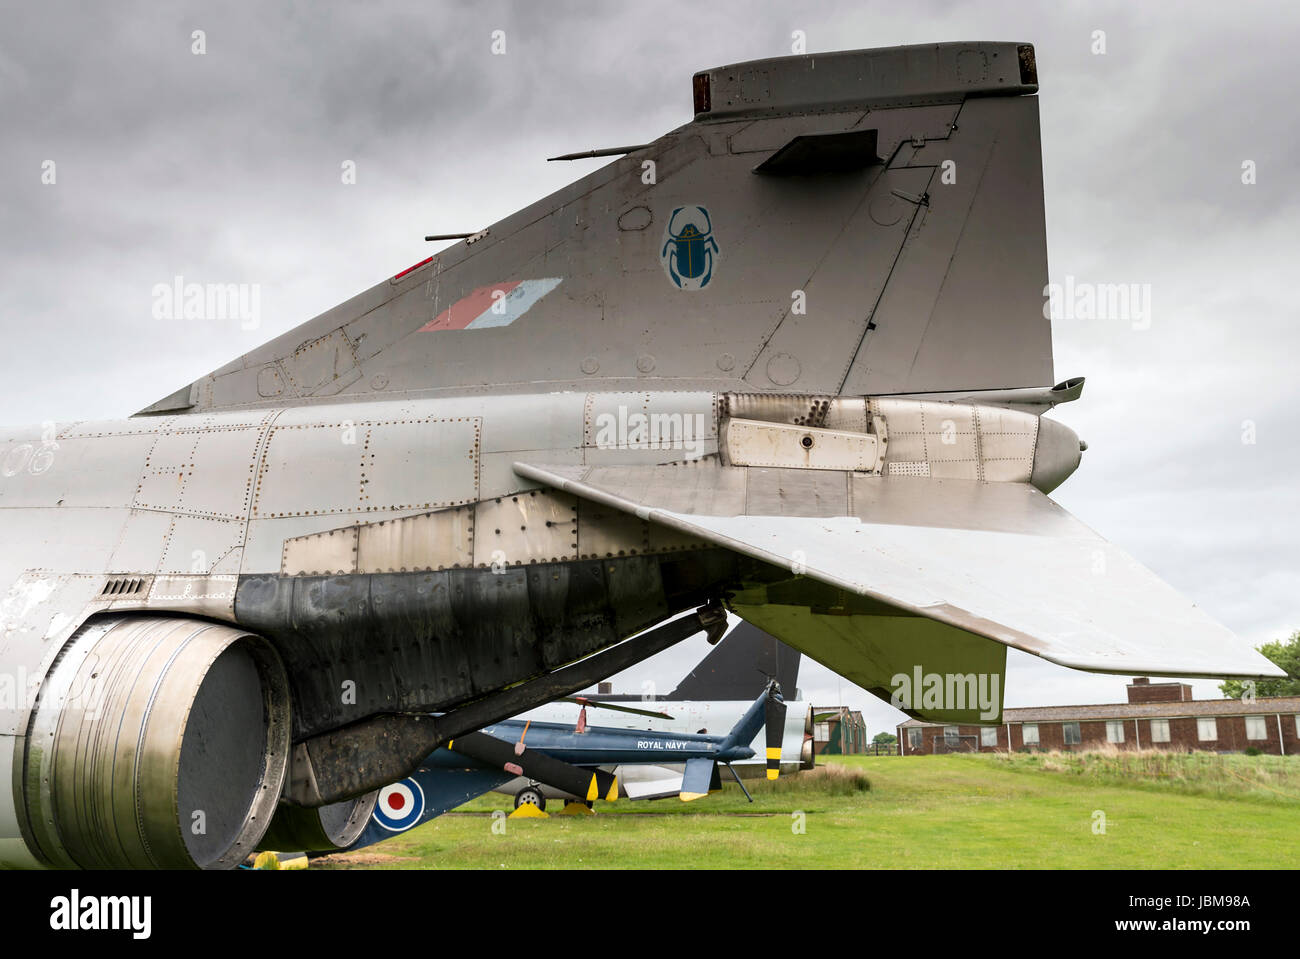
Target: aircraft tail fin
[739, 667]
[743, 733]
[861, 222]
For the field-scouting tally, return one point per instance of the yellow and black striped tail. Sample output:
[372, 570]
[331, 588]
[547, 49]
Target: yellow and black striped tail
[774, 720]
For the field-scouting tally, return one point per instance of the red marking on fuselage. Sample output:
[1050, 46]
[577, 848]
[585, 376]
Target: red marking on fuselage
[396, 800]
[416, 267]
[468, 308]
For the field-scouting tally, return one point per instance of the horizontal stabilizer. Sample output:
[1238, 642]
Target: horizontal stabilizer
[641, 781]
[698, 779]
[999, 560]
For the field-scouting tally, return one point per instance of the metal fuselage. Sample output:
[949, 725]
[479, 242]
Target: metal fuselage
[214, 515]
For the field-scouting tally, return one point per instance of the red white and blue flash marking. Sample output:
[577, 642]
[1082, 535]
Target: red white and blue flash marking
[399, 806]
[498, 304]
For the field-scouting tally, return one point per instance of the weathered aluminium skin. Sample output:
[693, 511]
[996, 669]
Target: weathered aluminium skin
[772, 359]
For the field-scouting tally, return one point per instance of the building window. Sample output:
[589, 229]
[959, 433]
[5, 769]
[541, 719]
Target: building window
[1207, 730]
[914, 737]
[1071, 733]
[989, 736]
[1115, 731]
[823, 732]
[1160, 730]
[1256, 728]
[1029, 733]
[1297, 724]
[950, 734]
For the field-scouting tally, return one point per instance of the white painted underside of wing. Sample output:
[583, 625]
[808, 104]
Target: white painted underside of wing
[999, 560]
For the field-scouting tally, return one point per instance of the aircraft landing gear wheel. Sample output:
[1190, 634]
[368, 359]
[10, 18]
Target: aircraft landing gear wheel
[532, 795]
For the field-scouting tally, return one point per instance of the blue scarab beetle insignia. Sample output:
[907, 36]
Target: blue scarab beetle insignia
[689, 252]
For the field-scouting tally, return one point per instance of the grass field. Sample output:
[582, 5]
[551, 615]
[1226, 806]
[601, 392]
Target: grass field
[1025, 811]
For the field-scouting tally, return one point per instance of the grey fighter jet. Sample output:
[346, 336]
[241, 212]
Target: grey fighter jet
[779, 361]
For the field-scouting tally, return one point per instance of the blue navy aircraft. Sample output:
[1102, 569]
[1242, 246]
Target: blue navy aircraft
[711, 698]
[568, 757]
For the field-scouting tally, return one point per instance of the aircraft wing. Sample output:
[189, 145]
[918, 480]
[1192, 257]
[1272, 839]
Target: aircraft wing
[999, 560]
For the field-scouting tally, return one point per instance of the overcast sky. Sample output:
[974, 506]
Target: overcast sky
[225, 168]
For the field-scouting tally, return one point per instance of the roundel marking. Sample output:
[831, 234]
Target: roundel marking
[399, 805]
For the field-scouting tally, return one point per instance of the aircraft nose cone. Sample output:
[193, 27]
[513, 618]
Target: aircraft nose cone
[1056, 455]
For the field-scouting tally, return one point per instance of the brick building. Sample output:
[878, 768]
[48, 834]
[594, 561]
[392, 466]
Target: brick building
[1156, 716]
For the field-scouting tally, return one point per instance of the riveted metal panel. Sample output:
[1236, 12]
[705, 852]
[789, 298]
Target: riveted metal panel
[1007, 440]
[197, 545]
[211, 595]
[220, 484]
[550, 421]
[420, 464]
[572, 600]
[101, 428]
[636, 593]
[497, 470]
[334, 551]
[429, 541]
[801, 409]
[681, 486]
[317, 366]
[309, 470]
[661, 539]
[952, 441]
[507, 644]
[847, 413]
[216, 422]
[346, 466]
[139, 543]
[941, 435]
[200, 472]
[165, 468]
[605, 532]
[673, 425]
[38, 470]
[529, 527]
[909, 469]
[752, 443]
